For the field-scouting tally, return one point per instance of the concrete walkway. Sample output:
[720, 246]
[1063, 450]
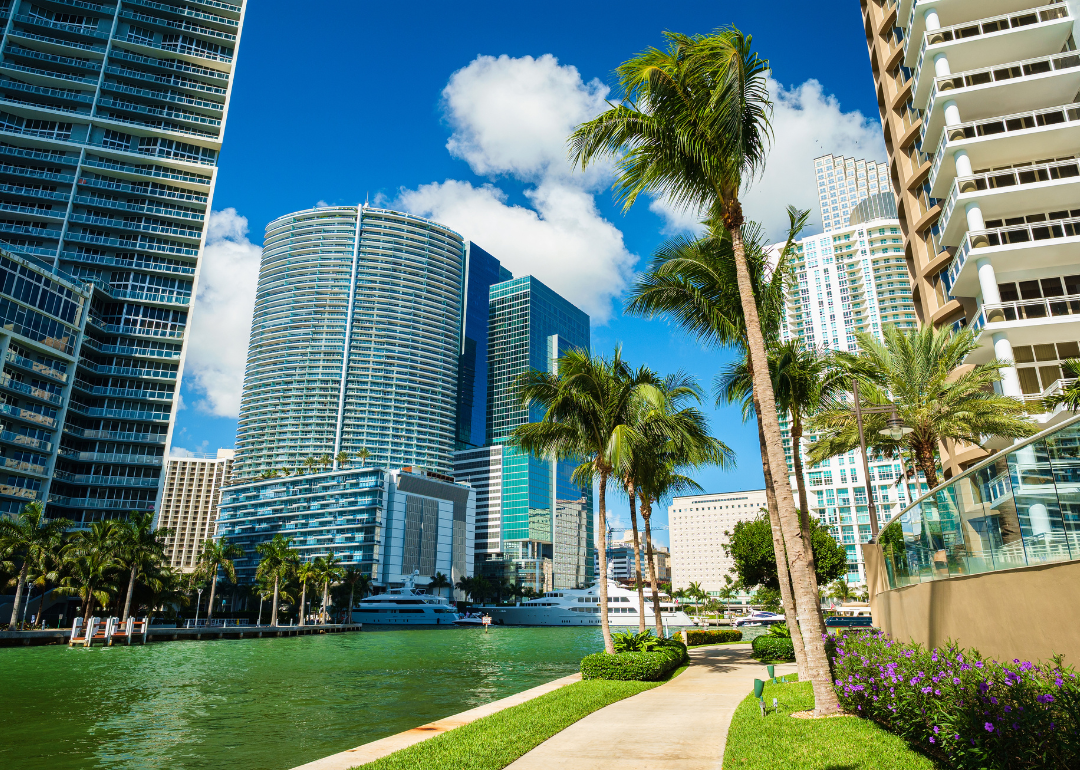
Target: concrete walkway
[682, 724]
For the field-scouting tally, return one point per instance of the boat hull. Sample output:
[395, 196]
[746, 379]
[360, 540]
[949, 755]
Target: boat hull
[556, 616]
[383, 617]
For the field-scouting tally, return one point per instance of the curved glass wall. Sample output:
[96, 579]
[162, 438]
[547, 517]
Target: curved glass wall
[387, 287]
[1016, 509]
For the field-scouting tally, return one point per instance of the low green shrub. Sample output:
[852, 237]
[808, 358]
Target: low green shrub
[636, 666]
[773, 648]
[711, 637]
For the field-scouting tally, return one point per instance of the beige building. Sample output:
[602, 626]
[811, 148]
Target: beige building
[189, 504]
[697, 526]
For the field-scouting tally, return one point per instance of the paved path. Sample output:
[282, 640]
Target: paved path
[682, 724]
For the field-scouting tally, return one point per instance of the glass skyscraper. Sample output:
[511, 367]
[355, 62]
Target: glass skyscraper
[111, 119]
[356, 341]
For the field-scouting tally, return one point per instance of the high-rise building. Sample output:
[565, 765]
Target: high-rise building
[482, 470]
[545, 521]
[622, 565]
[698, 525]
[355, 341]
[978, 106]
[189, 504]
[111, 121]
[843, 183]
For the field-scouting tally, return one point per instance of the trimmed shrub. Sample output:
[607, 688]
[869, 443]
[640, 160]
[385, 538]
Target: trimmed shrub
[773, 648]
[711, 637]
[635, 666]
[971, 713]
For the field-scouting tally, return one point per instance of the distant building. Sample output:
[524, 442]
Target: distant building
[189, 504]
[697, 525]
[386, 524]
[621, 564]
[844, 183]
[482, 470]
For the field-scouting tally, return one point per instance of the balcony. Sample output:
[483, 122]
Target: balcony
[1028, 322]
[1006, 140]
[188, 12]
[950, 13]
[1004, 192]
[164, 96]
[123, 243]
[139, 172]
[984, 43]
[213, 35]
[121, 224]
[95, 503]
[1034, 246]
[6, 381]
[113, 481]
[27, 415]
[19, 440]
[144, 190]
[128, 350]
[123, 414]
[101, 457]
[134, 264]
[109, 435]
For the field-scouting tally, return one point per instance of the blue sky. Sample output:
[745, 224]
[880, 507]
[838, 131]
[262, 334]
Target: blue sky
[361, 100]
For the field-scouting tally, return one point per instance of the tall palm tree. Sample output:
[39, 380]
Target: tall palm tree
[35, 539]
[278, 560]
[588, 410]
[91, 557]
[310, 463]
[355, 579]
[362, 455]
[439, 582]
[141, 549]
[918, 371]
[840, 590]
[629, 486]
[217, 555]
[328, 570]
[326, 461]
[341, 458]
[305, 572]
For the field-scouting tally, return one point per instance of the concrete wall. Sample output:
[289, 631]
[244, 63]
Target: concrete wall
[1028, 613]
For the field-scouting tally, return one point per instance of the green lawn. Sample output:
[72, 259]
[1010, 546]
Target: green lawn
[840, 743]
[495, 741]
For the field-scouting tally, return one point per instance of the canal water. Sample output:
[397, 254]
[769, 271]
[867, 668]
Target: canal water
[259, 704]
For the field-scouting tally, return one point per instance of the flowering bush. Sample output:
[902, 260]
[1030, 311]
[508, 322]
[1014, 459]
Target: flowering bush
[973, 713]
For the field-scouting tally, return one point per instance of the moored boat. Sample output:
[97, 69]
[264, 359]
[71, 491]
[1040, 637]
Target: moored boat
[581, 607]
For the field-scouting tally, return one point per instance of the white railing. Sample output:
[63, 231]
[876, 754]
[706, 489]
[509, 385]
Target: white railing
[1007, 178]
[1012, 235]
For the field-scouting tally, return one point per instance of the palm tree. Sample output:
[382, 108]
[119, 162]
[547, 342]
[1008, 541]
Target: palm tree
[362, 455]
[310, 463]
[327, 570]
[439, 582]
[355, 579]
[277, 564]
[141, 548]
[628, 485]
[326, 461]
[917, 371]
[588, 414]
[306, 572]
[840, 590]
[697, 593]
[341, 458]
[90, 560]
[217, 555]
[34, 538]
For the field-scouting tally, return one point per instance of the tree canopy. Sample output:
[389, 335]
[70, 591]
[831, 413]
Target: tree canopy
[750, 545]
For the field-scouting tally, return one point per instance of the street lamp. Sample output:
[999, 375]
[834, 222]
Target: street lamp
[197, 603]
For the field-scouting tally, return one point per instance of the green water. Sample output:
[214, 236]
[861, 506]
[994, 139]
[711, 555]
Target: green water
[259, 704]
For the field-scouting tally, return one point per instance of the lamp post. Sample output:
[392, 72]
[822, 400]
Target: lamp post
[895, 430]
[197, 603]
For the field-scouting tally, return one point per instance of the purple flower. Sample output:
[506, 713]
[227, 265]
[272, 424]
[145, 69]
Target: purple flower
[989, 727]
[1059, 681]
[932, 739]
[1045, 698]
[936, 729]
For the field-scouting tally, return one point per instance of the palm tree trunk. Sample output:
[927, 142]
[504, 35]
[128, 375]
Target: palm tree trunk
[804, 505]
[130, 590]
[325, 591]
[806, 597]
[605, 626]
[637, 556]
[303, 601]
[89, 604]
[14, 622]
[924, 454]
[273, 607]
[259, 621]
[26, 606]
[658, 618]
[783, 574]
[352, 591]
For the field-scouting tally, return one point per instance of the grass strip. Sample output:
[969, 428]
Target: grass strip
[776, 740]
[493, 742]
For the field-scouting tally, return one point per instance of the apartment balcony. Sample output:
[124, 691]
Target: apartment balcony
[127, 371]
[98, 504]
[139, 208]
[912, 17]
[185, 12]
[8, 383]
[196, 60]
[988, 41]
[109, 435]
[24, 442]
[173, 25]
[120, 224]
[102, 457]
[130, 350]
[11, 464]
[1003, 193]
[168, 65]
[136, 331]
[137, 393]
[27, 415]
[122, 414]
[33, 173]
[20, 492]
[145, 191]
[126, 244]
[1006, 140]
[140, 173]
[149, 266]
[1043, 245]
[1027, 322]
[113, 481]
[216, 108]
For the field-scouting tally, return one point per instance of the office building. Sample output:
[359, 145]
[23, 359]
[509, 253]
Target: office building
[111, 121]
[385, 523]
[978, 106]
[482, 470]
[189, 504]
[546, 519]
[621, 564]
[698, 526]
[843, 183]
[355, 342]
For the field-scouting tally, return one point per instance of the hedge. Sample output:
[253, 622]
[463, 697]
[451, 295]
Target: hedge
[711, 637]
[773, 648]
[636, 666]
[969, 712]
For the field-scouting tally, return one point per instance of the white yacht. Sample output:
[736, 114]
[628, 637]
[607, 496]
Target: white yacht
[581, 607]
[404, 607]
[757, 618]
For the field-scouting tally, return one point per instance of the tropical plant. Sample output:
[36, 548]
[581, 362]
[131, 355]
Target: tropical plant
[749, 545]
[918, 373]
[840, 590]
[355, 580]
[35, 539]
[140, 549]
[305, 572]
[328, 570]
[90, 563]
[588, 408]
[310, 464]
[1069, 396]
[217, 555]
[341, 459]
[325, 461]
[362, 455]
[781, 630]
[643, 641]
[277, 564]
[439, 582]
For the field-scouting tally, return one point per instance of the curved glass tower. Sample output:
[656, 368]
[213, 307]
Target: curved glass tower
[355, 341]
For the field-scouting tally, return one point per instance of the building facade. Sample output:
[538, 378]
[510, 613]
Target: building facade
[978, 107]
[621, 564]
[544, 513]
[482, 470]
[843, 183]
[111, 117]
[387, 524]
[355, 342]
[189, 503]
[698, 526]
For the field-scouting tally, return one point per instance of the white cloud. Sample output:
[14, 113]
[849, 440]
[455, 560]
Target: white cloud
[221, 322]
[511, 117]
[807, 123]
[201, 449]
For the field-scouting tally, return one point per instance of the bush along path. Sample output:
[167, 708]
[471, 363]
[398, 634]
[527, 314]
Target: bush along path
[972, 713]
[695, 638]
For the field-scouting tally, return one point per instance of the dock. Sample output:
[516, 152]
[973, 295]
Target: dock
[110, 632]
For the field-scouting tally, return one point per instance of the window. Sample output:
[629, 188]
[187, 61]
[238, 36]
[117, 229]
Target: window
[140, 35]
[116, 140]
